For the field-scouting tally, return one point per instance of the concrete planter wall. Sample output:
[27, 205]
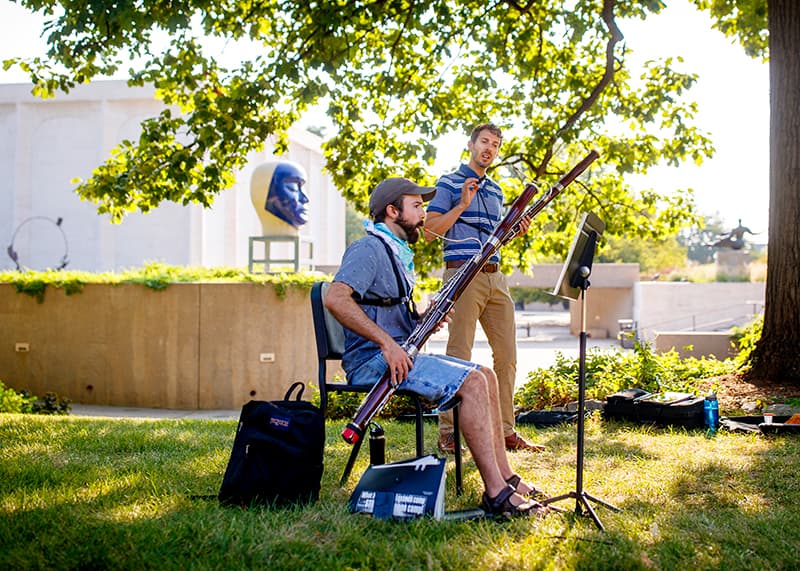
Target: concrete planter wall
[190, 346]
[717, 344]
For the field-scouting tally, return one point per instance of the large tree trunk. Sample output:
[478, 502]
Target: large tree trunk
[777, 354]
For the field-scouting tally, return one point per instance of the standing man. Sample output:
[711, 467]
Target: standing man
[370, 296]
[467, 207]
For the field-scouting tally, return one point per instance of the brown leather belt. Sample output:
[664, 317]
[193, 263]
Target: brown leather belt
[488, 268]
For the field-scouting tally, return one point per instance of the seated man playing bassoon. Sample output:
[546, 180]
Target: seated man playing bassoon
[371, 297]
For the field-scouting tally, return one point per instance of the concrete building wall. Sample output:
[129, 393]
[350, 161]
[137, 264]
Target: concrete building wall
[604, 308]
[44, 144]
[664, 313]
[609, 297]
[718, 344]
[680, 306]
[546, 276]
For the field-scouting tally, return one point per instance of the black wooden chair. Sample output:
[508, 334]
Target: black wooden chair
[329, 335]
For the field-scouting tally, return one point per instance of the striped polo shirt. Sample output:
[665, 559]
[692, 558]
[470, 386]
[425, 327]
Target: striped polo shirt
[477, 221]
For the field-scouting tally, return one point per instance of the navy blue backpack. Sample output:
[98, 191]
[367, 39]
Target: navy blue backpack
[277, 453]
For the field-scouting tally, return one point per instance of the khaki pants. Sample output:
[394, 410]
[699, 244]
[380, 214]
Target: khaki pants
[487, 300]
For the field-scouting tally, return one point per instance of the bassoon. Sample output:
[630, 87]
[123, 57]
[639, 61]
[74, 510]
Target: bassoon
[508, 228]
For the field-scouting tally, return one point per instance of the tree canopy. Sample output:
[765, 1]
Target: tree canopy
[743, 20]
[393, 76]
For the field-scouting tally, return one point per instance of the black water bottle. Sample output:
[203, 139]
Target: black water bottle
[377, 444]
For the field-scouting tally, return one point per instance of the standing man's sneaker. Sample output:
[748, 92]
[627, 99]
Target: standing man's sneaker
[447, 443]
[517, 442]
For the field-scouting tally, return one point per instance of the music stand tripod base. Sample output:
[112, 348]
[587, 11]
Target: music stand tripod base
[582, 503]
[572, 284]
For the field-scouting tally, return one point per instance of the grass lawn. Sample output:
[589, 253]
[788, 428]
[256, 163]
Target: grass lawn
[89, 493]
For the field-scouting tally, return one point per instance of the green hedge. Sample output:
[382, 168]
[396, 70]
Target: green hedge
[154, 275]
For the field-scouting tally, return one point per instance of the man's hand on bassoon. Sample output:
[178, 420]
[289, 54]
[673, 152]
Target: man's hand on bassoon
[398, 361]
[441, 323]
[446, 319]
[524, 224]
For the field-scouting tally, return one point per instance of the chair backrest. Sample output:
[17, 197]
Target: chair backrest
[329, 333]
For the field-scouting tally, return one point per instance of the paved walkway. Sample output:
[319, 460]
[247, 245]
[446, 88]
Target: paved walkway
[154, 413]
[544, 335]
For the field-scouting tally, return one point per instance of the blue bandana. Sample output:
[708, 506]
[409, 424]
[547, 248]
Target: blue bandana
[398, 245]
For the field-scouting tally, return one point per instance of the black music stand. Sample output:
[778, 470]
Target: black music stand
[572, 284]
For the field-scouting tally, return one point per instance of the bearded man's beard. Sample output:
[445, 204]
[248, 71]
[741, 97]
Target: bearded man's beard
[411, 230]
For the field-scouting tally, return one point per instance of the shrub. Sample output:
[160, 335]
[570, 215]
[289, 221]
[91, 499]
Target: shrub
[609, 372]
[13, 401]
[51, 403]
[525, 295]
[343, 405]
[745, 338]
[24, 402]
[606, 373]
[154, 275]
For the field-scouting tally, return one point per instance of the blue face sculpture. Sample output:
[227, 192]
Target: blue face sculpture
[286, 198]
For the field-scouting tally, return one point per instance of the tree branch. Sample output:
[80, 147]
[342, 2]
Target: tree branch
[522, 9]
[608, 77]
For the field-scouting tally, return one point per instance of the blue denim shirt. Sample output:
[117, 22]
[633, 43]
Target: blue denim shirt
[367, 268]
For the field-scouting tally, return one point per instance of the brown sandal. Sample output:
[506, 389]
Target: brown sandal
[501, 505]
[535, 492]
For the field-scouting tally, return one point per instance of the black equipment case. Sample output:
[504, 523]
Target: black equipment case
[663, 409]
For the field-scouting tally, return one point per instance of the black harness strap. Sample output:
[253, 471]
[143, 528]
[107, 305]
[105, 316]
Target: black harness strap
[390, 301]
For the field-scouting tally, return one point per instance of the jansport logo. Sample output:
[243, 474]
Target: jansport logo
[279, 422]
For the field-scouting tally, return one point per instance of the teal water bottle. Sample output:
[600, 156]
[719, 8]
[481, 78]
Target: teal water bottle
[711, 413]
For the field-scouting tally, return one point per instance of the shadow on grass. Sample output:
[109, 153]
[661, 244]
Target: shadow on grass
[88, 493]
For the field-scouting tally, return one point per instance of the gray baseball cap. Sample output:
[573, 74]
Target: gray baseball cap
[390, 189]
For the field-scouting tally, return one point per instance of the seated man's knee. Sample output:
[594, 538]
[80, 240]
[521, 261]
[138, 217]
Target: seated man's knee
[488, 374]
[475, 382]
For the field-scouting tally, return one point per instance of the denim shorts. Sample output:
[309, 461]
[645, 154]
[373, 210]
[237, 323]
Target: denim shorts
[436, 378]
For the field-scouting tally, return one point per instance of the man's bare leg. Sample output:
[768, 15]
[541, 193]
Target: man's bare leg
[484, 438]
[495, 419]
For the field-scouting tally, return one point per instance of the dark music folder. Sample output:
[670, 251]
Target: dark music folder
[401, 490]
